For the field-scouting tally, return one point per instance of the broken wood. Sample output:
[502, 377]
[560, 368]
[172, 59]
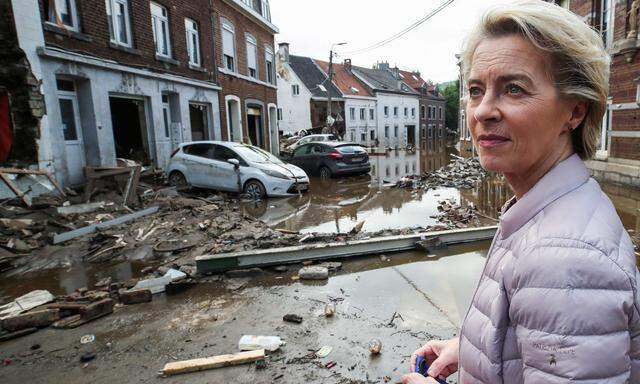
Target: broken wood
[213, 362]
[14, 188]
[59, 238]
[80, 208]
[286, 231]
[37, 319]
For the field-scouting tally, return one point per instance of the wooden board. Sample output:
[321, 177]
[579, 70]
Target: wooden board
[220, 361]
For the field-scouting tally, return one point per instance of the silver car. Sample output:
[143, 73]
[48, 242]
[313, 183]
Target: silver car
[234, 167]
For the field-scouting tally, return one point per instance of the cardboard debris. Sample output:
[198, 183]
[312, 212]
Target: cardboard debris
[26, 302]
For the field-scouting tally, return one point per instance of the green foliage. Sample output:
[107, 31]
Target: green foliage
[452, 109]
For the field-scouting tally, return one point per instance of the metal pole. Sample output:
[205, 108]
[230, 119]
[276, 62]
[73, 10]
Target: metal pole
[329, 89]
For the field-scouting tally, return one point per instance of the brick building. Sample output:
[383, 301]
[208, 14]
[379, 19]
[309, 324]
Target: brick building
[245, 59]
[432, 111]
[618, 157]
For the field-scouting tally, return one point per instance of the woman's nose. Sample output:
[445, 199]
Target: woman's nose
[487, 110]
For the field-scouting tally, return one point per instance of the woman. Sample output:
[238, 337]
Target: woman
[557, 301]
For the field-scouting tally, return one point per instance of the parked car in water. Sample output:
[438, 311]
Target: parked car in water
[331, 158]
[309, 139]
[234, 167]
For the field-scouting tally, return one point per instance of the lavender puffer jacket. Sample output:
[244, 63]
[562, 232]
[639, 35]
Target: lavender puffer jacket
[558, 299]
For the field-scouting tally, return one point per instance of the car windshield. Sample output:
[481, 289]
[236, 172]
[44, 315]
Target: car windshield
[350, 149]
[256, 155]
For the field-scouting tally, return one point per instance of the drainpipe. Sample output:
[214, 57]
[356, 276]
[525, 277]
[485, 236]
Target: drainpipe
[213, 43]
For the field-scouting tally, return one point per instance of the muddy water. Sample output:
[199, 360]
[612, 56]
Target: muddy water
[429, 293]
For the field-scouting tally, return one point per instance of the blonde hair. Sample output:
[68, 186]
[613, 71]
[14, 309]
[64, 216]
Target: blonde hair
[578, 62]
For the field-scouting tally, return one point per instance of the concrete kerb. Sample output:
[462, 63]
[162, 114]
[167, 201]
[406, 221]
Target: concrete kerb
[389, 244]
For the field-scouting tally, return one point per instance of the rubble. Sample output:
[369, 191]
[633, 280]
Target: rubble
[460, 173]
[313, 273]
[453, 215]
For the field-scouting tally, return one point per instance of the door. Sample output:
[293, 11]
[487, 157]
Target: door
[199, 117]
[72, 131]
[225, 171]
[300, 158]
[196, 161]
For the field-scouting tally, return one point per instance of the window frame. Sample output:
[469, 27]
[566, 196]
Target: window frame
[193, 47]
[57, 20]
[363, 114]
[295, 89]
[269, 53]
[372, 114]
[114, 27]
[158, 24]
[251, 40]
[227, 26]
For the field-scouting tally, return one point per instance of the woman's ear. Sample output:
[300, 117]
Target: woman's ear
[578, 113]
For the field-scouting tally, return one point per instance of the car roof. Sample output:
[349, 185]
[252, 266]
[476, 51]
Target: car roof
[334, 143]
[223, 143]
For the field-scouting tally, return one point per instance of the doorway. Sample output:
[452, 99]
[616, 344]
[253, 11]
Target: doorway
[199, 117]
[71, 129]
[254, 125]
[130, 129]
[411, 135]
[234, 119]
[274, 137]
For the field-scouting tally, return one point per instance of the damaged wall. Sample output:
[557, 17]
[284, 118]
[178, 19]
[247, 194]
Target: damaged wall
[23, 91]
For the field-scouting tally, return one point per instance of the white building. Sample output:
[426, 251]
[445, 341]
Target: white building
[294, 98]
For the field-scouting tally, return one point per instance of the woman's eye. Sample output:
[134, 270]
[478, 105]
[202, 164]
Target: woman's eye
[514, 89]
[475, 91]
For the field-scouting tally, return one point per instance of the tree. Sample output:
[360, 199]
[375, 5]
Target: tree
[452, 107]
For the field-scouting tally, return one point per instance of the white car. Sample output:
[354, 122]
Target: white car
[234, 167]
[311, 138]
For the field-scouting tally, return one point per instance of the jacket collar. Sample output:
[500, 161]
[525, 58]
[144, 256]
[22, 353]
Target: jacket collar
[566, 176]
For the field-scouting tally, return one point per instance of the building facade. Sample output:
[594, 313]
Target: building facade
[294, 98]
[246, 66]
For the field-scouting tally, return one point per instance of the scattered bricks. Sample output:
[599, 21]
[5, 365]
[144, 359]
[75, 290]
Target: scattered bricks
[37, 319]
[135, 296]
[97, 309]
[313, 273]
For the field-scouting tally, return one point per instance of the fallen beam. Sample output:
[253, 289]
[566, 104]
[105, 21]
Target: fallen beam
[220, 361]
[264, 257]
[59, 238]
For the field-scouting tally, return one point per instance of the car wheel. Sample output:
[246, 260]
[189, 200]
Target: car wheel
[255, 190]
[325, 173]
[177, 179]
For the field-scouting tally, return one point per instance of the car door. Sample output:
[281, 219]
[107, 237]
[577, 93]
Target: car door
[300, 157]
[225, 171]
[196, 164]
[314, 159]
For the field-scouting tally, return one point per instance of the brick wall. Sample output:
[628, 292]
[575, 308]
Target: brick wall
[232, 85]
[93, 37]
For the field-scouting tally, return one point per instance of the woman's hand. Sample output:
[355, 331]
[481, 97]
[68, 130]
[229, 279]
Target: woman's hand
[442, 356]
[416, 378]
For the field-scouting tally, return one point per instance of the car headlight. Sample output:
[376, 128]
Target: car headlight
[277, 174]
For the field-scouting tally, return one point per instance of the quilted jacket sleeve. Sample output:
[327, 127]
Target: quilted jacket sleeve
[571, 307]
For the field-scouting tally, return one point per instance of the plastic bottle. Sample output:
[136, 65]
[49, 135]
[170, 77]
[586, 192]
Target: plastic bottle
[252, 343]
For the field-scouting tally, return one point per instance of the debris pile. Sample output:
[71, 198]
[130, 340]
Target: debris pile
[453, 215]
[460, 173]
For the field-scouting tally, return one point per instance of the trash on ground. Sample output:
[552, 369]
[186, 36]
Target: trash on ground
[220, 361]
[375, 346]
[26, 302]
[251, 343]
[324, 351]
[292, 318]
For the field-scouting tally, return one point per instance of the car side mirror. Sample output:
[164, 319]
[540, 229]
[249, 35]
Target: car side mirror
[235, 162]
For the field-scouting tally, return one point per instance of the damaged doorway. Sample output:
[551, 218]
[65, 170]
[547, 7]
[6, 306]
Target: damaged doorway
[411, 135]
[199, 117]
[254, 125]
[130, 134]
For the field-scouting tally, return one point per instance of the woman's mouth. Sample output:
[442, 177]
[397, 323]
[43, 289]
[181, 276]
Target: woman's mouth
[490, 141]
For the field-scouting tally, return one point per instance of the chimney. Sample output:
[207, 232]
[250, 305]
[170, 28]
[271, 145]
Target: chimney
[417, 73]
[283, 51]
[347, 64]
[396, 72]
[383, 65]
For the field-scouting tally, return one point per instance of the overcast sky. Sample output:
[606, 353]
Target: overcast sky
[312, 26]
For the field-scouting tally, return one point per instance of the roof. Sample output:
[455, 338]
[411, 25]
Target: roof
[412, 79]
[348, 84]
[311, 75]
[383, 80]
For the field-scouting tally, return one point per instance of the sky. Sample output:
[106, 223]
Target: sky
[311, 27]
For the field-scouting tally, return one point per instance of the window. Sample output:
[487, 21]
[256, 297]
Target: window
[440, 131]
[395, 131]
[363, 114]
[386, 131]
[423, 112]
[295, 89]
[63, 13]
[352, 135]
[228, 45]
[605, 14]
[440, 113]
[118, 19]
[266, 10]
[372, 135]
[386, 111]
[395, 111]
[371, 114]
[352, 113]
[166, 113]
[406, 112]
[68, 103]
[363, 136]
[193, 42]
[252, 57]
[430, 131]
[280, 114]
[269, 60]
[413, 112]
[160, 27]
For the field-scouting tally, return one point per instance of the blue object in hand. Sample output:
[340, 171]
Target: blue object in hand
[422, 367]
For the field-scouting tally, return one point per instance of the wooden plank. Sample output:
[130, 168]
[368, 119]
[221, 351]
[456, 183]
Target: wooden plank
[213, 362]
[23, 171]
[14, 188]
[59, 238]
